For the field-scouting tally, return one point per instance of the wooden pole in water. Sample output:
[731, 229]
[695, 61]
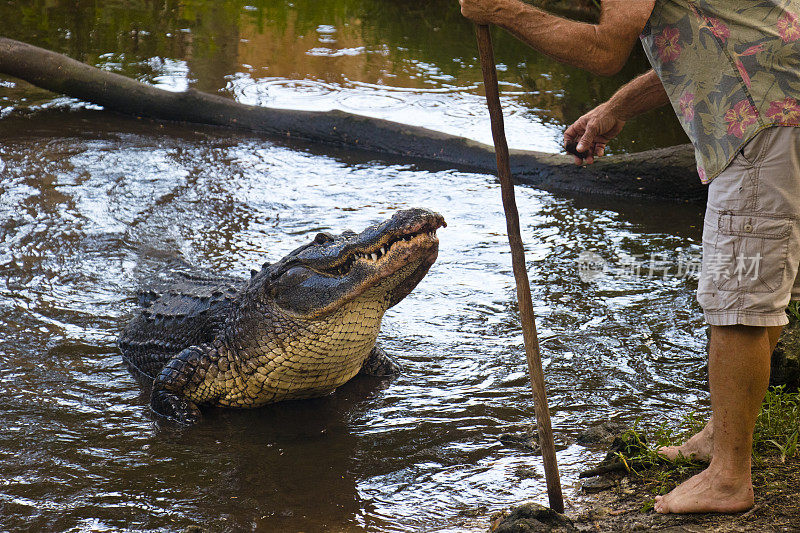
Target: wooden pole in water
[520, 272]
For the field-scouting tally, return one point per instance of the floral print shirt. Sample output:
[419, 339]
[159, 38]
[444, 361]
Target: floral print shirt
[730, 67]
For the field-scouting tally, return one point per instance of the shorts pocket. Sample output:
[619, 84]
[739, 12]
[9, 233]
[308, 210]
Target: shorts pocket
[754, 150]
[750, 251]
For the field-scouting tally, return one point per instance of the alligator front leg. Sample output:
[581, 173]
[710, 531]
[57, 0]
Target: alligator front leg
[379, 364]
[182, 374]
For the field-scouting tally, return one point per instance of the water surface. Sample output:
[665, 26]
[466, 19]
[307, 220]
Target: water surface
[89, 214]
[411, 61]
[93, 204]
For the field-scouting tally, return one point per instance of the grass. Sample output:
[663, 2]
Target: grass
[778, 425]
[794, 309]
[776, 436]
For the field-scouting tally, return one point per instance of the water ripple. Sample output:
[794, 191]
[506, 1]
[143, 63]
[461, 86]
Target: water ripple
[88, 216]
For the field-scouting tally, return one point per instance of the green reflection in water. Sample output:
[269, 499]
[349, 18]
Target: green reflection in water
[411, 43]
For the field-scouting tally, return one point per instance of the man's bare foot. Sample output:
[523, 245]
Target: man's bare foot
[697, 448]
[710, 491]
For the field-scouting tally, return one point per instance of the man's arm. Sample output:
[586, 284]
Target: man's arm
[594, 129]
[601, 48]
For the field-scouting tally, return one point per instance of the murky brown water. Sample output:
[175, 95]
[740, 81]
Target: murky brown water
[91, 204]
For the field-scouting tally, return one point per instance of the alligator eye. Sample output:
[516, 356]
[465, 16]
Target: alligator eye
[294, 276]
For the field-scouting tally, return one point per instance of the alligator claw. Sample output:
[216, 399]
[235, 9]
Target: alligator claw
[168, 405]
[379, 364]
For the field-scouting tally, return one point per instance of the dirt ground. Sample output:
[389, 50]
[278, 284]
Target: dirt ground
[627, 506]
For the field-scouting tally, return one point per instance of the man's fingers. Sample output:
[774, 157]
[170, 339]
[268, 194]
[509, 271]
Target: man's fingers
[588, 138]
[599, 149]
[570, 134]
[575, 130]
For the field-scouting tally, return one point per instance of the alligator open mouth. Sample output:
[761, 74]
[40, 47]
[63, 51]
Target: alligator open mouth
[379, 251]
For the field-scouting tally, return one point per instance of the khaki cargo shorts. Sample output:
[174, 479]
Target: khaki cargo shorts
[751, 234]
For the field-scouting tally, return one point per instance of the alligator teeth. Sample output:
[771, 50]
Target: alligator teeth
[374, 257]
[383, 250]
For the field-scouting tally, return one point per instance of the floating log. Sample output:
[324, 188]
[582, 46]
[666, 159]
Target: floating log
[663, 174]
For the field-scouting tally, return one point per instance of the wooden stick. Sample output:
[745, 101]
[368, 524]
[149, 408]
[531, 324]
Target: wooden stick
[520, 272]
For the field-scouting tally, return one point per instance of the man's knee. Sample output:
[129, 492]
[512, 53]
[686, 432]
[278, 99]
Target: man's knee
[738, 330]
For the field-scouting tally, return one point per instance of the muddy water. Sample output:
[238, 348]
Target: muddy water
[411, 61]
[93, 204]
[91, 212]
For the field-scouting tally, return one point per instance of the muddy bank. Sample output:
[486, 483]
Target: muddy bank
[663, 174]
[626, 505]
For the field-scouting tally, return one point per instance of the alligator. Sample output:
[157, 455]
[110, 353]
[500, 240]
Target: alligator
[298, 328]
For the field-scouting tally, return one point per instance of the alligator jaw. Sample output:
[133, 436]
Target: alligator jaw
[377, 254]
[369, 264]
[383, 258]
[331, 271]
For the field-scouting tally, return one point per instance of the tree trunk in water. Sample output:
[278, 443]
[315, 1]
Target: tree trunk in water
[667, 173]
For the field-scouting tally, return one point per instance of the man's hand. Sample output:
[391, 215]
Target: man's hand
[481, 11]
[593, 131]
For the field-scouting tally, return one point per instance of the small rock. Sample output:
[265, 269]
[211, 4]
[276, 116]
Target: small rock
[532, 517]
[629, 444]
[597, 484]
[527, 440]
[495, 519]
[602, 434]
[524, 472]
[474, 513]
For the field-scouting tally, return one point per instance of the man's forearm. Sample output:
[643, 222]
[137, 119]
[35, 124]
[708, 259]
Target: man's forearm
[600, 48]
[638, 96]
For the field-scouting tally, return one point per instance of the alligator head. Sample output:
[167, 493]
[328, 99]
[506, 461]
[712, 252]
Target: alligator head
[332, 270]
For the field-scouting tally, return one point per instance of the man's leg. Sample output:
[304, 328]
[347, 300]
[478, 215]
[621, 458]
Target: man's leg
[753, 213]
[738, 368]
[700, 447]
